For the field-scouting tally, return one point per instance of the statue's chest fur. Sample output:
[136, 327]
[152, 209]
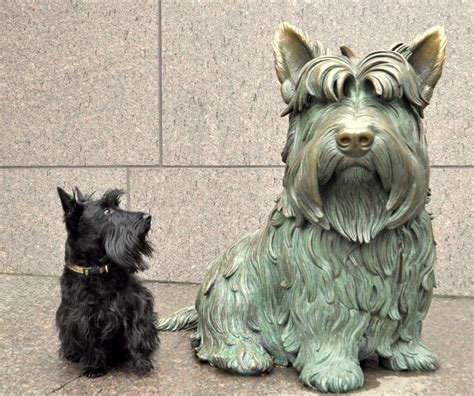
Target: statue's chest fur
[333, 270]
[357, 262]
[370, 274]
[322, 276]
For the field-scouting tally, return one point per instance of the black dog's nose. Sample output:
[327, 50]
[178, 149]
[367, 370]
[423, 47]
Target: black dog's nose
[355, 142]
[147, 217]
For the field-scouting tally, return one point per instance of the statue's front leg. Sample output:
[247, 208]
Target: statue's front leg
[329, 359]
[408, 352]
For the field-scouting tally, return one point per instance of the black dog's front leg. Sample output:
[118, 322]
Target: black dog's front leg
[142, 340]
[95, 360]
[141, 337]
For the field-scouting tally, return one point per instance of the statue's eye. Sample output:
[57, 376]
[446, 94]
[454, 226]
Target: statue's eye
[107, 211]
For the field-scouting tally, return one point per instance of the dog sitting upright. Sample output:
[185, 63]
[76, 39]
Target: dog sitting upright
[343, 268]
[106, 315]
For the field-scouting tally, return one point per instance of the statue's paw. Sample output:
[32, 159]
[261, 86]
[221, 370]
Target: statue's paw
[196, 340]
[241, 358]
[334, 377]
[411, 356]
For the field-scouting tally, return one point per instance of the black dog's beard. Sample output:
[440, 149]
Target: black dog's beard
[127, 248]
[145, 246]
[354, 203]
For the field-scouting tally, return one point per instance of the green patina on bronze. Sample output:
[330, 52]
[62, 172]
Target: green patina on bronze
[344, 267]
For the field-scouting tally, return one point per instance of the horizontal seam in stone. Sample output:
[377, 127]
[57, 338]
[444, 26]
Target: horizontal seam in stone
[178, 283]
[8, 167]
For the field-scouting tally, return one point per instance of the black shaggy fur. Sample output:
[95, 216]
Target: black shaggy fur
[105, 319]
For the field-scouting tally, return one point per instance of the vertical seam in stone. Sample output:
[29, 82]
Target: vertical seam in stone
[160, 83]
[128, 188]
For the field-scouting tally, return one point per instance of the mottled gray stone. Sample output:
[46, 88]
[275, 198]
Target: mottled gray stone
[28, 351]
[221, 100]
[80, 86]
[80, 83]
[197, 213]
[451, 204]
[32, 233]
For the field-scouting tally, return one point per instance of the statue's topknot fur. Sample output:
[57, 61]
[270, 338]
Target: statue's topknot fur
[344, 267]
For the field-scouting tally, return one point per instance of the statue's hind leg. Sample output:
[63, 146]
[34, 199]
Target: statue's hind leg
[241, 355]
[411, 356]
[225, 338]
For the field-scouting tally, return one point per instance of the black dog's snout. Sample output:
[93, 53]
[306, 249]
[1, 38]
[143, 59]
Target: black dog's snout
[147, 217]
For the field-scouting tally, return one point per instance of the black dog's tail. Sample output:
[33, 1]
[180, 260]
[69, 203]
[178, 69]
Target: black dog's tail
[184, 319]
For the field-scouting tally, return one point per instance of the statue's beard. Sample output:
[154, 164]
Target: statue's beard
[354, 203]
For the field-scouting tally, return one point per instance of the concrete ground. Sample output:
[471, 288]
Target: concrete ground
[29, 362]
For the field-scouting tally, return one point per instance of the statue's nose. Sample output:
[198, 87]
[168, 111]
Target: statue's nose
[355, 142]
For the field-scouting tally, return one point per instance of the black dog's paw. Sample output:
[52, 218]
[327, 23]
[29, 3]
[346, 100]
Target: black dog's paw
[93, 372]
[143, 366]
[72, 357]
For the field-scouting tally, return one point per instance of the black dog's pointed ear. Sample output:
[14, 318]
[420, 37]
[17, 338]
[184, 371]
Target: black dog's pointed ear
[68, 201]
[78, 195]
[72, 210]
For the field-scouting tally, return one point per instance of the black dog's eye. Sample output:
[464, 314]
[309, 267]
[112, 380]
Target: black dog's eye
[107, 211]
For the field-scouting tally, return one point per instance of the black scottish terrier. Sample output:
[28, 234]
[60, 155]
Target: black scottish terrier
[106, 315]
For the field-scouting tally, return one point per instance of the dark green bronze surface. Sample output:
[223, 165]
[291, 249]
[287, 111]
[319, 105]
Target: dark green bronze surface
[344, 267]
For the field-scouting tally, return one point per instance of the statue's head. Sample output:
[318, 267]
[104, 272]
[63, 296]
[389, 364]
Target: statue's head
[356, 156]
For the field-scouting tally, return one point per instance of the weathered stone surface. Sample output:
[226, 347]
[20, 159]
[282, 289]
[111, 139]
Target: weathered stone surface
[81, 86]
[32, 233]
[80, 83]
[451, 204]
[197, 213]
[28, 341]
[221, 100]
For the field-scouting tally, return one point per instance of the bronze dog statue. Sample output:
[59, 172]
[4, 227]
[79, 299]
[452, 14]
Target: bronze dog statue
[344, 266]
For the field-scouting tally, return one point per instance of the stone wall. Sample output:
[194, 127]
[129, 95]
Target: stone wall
[177, 103]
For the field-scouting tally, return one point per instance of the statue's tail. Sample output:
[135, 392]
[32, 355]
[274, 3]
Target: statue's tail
[184, 319]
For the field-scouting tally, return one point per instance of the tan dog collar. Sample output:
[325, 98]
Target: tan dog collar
[88, 271]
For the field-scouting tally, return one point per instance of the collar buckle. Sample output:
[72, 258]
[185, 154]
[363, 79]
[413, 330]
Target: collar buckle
[88, 271]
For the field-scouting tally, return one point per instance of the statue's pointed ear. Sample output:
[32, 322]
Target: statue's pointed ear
[292, 50]
[426, 55]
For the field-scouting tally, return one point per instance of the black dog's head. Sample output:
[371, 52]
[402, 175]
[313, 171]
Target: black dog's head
[101, 232]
